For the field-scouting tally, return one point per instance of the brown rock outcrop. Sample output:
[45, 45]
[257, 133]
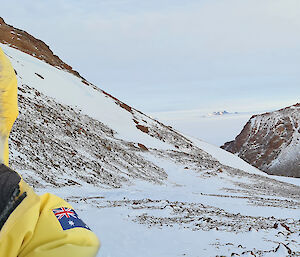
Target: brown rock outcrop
[271, 142]
[26, 43]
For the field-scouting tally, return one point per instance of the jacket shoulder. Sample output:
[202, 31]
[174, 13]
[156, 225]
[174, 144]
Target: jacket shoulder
[60, 232]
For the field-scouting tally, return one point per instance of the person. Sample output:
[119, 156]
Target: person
[33, 225]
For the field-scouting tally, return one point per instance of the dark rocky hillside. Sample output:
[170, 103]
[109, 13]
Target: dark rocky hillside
[271, 142]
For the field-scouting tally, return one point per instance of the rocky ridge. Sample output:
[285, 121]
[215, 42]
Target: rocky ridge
[26, 43]
[271, 142]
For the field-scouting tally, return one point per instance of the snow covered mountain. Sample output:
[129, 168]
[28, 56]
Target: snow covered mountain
[144, 188]
[271, 142]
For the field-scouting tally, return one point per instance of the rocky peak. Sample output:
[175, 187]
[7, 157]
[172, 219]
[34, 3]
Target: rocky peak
[26, 43]
[271, 142]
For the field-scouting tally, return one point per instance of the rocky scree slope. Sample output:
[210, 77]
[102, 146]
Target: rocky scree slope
[56, 145]
[271, 142]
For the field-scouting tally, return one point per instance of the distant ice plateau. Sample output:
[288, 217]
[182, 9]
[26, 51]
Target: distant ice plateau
[220, 113]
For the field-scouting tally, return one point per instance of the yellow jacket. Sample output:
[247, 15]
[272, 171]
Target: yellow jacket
[40, 226]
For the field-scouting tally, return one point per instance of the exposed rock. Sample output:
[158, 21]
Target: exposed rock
[271, 142]
[143, 147]
[26, 43]
[143, 128]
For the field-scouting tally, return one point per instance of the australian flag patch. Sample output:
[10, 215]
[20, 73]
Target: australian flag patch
[68, 218]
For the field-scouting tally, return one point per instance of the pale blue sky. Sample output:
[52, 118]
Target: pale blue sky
[168, 55]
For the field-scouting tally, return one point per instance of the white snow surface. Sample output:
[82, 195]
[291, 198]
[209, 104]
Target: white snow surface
[215, 129]
[226, 158]
[227, 209]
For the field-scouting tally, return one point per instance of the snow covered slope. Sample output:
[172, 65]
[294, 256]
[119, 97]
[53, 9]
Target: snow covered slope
[146, 189]
[271, 142]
